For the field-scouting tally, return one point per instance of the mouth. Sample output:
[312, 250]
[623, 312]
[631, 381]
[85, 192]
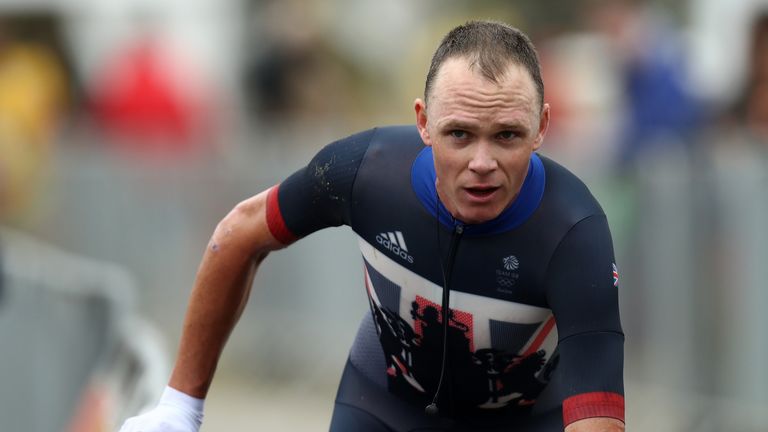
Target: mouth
[481, 193]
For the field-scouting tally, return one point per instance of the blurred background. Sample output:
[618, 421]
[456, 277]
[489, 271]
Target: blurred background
[128, 128]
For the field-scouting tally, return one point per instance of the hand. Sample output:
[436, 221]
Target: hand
[176, 412]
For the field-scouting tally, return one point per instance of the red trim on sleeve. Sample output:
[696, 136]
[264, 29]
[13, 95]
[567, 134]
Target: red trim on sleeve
[596, 404]
[275, 220]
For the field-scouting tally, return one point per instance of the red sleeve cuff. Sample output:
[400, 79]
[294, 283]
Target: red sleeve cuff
[275, 220]
[596, 404]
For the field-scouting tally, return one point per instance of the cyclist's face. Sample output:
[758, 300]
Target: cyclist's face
[482, 135]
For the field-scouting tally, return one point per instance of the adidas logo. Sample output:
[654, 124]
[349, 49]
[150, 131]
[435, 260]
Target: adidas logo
[395, 243]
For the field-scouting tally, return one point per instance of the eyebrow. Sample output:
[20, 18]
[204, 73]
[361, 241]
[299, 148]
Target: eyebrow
[511, 125]
[460, 124]
[456, 124]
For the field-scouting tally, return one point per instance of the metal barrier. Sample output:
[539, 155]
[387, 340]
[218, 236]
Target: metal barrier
[75, 357]
[694, 293]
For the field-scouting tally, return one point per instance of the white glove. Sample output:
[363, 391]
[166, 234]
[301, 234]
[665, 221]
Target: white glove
[176, 412]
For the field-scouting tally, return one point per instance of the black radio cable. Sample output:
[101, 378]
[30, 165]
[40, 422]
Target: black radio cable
[432, 408]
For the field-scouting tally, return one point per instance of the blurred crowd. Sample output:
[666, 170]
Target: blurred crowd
[618, 73]
[128, 128]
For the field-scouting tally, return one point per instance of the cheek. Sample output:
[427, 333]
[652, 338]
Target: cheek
[448, 165]
[517, 167]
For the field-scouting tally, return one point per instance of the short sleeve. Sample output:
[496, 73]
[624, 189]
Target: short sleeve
[318, 195]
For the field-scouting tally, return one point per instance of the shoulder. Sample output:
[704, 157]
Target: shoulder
[566, 195]
[391, 152]
[384, 135]
[394, 138]
[376, 141]
[334, 183]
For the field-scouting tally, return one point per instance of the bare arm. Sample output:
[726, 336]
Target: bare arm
[238, 245]
[596, 424]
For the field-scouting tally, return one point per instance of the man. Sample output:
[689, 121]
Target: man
[458, 211]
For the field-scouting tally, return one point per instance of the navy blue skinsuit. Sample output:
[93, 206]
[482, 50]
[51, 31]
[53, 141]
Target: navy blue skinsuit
[534, 340]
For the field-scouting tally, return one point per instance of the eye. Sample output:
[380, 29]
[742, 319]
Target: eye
[459, 134]
[507, 135]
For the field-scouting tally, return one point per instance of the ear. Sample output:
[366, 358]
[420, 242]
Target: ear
[421, 120]
[543, 125]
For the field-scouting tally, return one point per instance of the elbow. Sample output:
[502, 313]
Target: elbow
[231, 227]
[246, 210]
[242, 231]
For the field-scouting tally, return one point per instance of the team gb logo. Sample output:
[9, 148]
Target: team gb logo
[511, 263]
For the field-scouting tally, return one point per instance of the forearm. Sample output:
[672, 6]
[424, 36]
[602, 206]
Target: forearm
[218, 298]
[214, 308]
[597, 424]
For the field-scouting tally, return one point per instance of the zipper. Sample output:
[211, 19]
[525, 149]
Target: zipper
[458, 230]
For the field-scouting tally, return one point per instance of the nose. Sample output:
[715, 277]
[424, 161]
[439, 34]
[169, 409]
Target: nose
[483, 160]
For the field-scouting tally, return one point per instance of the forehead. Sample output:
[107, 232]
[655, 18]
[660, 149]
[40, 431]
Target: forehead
[460, 85]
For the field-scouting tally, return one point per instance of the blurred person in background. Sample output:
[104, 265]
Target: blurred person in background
[457, 211]
[751, 108]
[33, 98]
[298, 77]
[660, 107]
[151, 100]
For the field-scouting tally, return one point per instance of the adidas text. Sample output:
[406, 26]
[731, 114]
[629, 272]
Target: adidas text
[395, 243]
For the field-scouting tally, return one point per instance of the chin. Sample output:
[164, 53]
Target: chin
[478, 216]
